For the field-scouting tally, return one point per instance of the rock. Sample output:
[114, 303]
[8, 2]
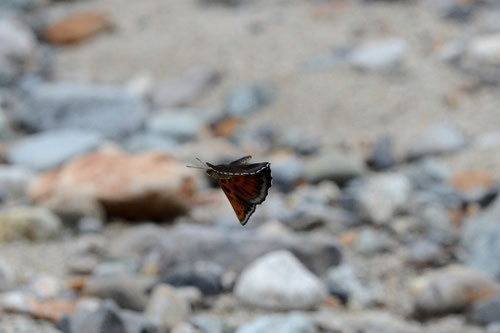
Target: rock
[299, 142]
[436, 139]
[14, 182]
[450, 289]
[31, 223]
[52, 149]
[371, 242]
[166, 308]
[278, 281]
[177, 125]
[287, 171]
[20, 5]
[89, 225]
[46, 286]
[485, 49]
[379, 55]
[343, 282]
[77, 27]
[436, 224]
[336, 166]
[136, 322]
[7, 276]
[487, 311]
[381, 197]
[207, 324]
[426, 253]
[104, 319]
[143, 142]
[481, 240]
[234, 248]
[185, 88]
[206, 276]
[285, 323]
[5, 125]
[427, 172]
[107, 110]
[145, 186]
[244, 100]
[183, 328]
[17, 49]
[382, 156]
[493, 328]
[83, 264]
[127, 291]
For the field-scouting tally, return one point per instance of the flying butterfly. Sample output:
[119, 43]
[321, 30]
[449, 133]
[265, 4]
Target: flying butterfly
[245, 185]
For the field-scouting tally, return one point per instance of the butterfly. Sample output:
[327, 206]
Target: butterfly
[245, 185]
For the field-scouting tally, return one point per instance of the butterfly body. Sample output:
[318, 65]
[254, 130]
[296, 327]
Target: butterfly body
[245, 185]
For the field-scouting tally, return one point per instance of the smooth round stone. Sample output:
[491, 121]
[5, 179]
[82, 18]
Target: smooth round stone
[331, 165]
[279, 281]
[287, 323]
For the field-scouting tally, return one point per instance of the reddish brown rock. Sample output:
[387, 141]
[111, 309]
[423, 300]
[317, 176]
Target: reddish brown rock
[146, 186]
[77, 27]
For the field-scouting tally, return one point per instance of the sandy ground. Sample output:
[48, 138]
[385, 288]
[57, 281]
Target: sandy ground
[271, 40]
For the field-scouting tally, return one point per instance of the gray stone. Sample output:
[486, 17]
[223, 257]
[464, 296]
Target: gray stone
[333, 165]
[14, 182]
[207, 324]
[126, 291]
[176, 124]
[493, 328]
[382, 156]
[32, 223]
[344, 280]
[149, 141]
[186, 88]
[286, 323]
[51, 149]
[487, 311]
[381, 197]
[204, 275]
[436, 224]
[427, 172]
[17, 47]
[279, 281]
[20, 5]
[165, 308]
[246, 99]
[426, 253]
[450, 289]
[485, 49]
[379, 55]
[287, 170]
[137, 322]
[104, 319]
[436, 139]
[370, 242]
[481, 241]
[5, 125]
[107, 110]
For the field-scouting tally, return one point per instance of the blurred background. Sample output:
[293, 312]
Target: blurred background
[381, 123]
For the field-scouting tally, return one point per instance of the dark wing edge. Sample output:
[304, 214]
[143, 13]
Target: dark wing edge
[266, 185]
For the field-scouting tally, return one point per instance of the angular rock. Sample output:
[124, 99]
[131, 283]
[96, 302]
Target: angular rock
[436, 139]
[379, 55]
[244, 100]
[31, 223]
[186, 88]
[278, 281]
[107, 110]
[77, 27]
[127, 291]
[165, 308]
[285, 323]
[146, 186]
[330, 165]
[383, 196]
[51, 149]
[450, 289]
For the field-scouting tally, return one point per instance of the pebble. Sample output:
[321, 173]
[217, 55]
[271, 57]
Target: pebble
[245, 100]
[287, 171]
[370, 242]
[487, 312]
[165, 308]
[204, 275]
[343, 282]
[14, 181]
[177, 125]
[426, 253]
[104, 319]
[137, 322]
[382, 155]
[379, 55]
[127, 291]
[485, 49]
[381, 197]
[28, 223]
[207, 323]
[279, 281]
[185, 88]
[436, 224]
[285, 323]
[435, 140]
[49, 150]
[450, 289]
[108, 110]
[333, 165]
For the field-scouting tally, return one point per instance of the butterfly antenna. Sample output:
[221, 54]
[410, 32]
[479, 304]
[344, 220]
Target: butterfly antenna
[203, 167]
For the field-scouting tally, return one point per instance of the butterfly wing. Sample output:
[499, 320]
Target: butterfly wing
[243, 160]
[246, 190]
